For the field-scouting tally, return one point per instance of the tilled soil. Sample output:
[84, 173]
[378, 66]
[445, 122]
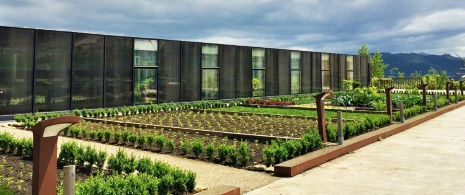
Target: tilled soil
[17, 172]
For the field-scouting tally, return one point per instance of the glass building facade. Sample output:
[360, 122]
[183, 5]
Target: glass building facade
[46, 70]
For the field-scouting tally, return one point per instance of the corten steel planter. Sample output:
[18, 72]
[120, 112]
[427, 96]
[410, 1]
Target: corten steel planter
[44, 168]
[320, 110]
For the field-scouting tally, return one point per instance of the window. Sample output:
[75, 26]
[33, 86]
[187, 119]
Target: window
[258, 72]
[210, 70]
[145, 52]
[295, 72]
[145, 71]
[350, 68]
[325, 72]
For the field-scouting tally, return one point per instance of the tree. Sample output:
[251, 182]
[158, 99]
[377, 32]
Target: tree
[377, 65]
[364, 51]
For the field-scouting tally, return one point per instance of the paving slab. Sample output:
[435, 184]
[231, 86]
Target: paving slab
[426, 159]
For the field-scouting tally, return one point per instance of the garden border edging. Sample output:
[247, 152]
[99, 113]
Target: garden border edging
[305, 162]
[221, 189]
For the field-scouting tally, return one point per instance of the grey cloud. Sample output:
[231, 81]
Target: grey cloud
[339, 26]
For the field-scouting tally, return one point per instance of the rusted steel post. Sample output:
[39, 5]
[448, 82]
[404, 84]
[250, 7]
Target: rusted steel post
[461, 87]
[389, 101]
[320, 110]
[44, 157]
[423, 88]
[447, 91]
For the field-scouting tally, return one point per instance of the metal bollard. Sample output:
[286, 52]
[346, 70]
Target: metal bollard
[435, 102]
[401, 112]
[339, 128]
[69, 180]
[456, 97]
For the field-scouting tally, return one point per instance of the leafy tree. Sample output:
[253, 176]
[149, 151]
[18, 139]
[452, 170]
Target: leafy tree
[377, 64]
[364, 51]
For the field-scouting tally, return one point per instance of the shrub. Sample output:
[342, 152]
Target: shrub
[161, 142]
[141, 141]
[125, 136]
[101, 158]
[117, 136]
[144, 165]
[133, 139]
[210, 150]
[84, 133]
[68, 152]
[197, 147]
[232, 154]
[191, 181]
[90, 156]
[171, 145]
[166, 183]
[150, 140]
[269, 153]
[92, 134]
[184, 147]
[100, 135]
[244, 152]
[107, 135]
[222, 152]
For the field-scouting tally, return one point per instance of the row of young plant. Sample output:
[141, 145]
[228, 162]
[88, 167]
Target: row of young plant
[372, 122]
[152, 108]
[12, 145]
[230, 153]
[164, 179]
[280, 150]
[362, 125]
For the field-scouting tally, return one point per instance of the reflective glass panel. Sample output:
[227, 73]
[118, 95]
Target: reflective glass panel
[145, 52]
[325, 61]
[258, 83]
[295, 60]
[145, 86]
[16, 60]
[295, 81]
[258, 58]
[326, 79]
[210, 84]
[53, 67]
[209, 56]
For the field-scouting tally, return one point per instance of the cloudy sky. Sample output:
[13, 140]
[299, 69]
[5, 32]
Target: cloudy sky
[339, 26]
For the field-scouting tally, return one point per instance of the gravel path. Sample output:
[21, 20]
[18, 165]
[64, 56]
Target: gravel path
[208, 174]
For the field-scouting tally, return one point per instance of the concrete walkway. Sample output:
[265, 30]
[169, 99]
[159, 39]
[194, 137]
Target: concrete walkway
[426, 159]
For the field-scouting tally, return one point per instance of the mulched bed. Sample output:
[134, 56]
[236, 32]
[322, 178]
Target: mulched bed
[17, 171]
[256, 147]
[250, 124]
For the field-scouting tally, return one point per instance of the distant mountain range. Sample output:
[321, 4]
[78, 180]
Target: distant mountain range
[422, 62]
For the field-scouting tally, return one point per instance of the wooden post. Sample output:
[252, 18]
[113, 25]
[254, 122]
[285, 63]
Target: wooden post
[69, 180]
[461, 87]
[447, 91]
[389, 101]
[423, 88]
[320, 110]
[340, 132]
